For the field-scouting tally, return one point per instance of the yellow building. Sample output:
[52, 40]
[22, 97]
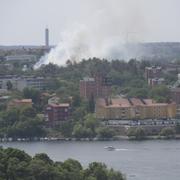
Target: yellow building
[134, 108]
[16, 103]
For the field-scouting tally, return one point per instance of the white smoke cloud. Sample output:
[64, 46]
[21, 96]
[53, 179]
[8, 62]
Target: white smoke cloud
[102, 34]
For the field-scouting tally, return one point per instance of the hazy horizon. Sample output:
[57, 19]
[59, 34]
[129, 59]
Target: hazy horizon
[23, 22]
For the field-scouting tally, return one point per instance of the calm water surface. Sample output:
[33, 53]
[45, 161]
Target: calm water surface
[144, 160]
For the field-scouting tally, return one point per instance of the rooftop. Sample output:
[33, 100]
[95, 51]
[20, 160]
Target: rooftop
[88, 79]
[123, 102]
[23, 100]
[59, 105]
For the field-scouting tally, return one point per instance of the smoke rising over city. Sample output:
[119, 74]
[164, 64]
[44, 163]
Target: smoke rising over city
[91, 28]
[104, 34]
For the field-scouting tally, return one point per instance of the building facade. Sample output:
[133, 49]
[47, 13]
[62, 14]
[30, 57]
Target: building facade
[24, 58]
[16, 103]
[156, 81]
[96, 87]
[87, 88]
[132, 109]
[152, 72]
[20, 82]
[175, 95]
[55, 114]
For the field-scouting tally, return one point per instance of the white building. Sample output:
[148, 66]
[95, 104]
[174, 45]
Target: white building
[20, 83]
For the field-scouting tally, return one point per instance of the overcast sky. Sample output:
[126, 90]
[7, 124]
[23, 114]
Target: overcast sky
[23, 21]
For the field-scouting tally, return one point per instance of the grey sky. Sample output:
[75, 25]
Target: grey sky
[23, 21]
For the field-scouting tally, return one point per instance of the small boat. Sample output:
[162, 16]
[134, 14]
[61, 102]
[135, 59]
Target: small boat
[110, 148]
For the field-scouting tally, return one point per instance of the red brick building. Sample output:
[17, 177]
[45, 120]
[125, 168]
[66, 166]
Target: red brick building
[57, 113]
[87, 88]
[96, 87]
[152, 72]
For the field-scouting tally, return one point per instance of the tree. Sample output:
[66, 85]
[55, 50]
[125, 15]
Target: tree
[44, 157]
[11, 116]
[30, 93]
[9, 85]
[28, 112]
[90, 121]
[177, 128]
[105, 132]
[91, 104]
[160, 93]
[97, 170]
[138, 133]
[168, 132]
[79, 131]
[17, 165]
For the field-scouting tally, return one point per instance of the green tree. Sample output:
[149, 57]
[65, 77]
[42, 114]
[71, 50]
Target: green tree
[90, 121]
[168, 132]
[91, 104]
[28, 112]
[9, 85]
[105, 132]
[160, 93]
[139, 133]
[30, 93]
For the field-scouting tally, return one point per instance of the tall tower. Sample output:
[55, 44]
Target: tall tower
[47, 38]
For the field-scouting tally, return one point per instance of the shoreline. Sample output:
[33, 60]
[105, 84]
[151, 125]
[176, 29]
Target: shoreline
[119, 138]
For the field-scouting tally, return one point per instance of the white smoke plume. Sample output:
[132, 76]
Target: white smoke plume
[103, 34]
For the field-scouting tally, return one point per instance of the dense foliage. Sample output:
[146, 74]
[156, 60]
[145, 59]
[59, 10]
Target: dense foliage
[21, 123]
[17, 165]
[127, 79]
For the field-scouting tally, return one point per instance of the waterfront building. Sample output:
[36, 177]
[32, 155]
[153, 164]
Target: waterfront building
[132, 109]
[55, 114]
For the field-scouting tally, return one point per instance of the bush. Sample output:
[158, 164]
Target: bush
[167, 132]
[138, 133]
[105, 132]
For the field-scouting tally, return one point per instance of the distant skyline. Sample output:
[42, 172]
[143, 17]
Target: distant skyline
[24, 22]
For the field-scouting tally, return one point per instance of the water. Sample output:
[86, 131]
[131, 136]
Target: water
[139, 160]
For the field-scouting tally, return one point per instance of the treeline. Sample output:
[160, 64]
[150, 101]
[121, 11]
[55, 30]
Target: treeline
[21, 123]
[18, 165]
[127, 77]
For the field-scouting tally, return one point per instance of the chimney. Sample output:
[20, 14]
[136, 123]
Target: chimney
[47, 38]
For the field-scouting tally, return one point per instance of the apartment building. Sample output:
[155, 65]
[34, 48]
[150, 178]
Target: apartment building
[153, 72]
[156, 81]
[20, 82]
[55, 114]
[87, 88]
[96, 87]
[134, 108]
